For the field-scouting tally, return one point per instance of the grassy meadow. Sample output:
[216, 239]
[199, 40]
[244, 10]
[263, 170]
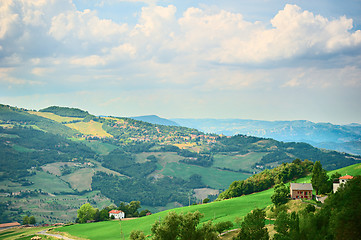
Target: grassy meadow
[236, 162]
[227, 210]
[215, 178]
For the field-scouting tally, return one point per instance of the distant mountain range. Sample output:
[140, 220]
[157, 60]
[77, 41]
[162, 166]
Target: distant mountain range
[343, 138]
[154, 119]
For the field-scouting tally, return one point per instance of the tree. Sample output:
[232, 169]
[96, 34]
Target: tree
[86, 213]
[280, 195]
[222, 226]
[319, 180]
[104, 214]
[183, 227]
[26, 220]
[32, 220]
[287, 226]
[137, 235]
[253, 226]
[206, 200]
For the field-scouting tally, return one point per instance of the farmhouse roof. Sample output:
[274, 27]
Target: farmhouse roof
[13, 224]
[301, 186]
[346, 177]
[115, 211]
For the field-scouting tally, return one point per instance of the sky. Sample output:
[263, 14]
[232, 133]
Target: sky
[258, 59]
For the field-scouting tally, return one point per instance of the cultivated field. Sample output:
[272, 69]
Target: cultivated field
[90, 128]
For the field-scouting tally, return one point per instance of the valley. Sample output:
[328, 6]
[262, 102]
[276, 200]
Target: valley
[57, 154]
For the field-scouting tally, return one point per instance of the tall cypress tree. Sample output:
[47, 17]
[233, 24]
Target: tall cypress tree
[319, 178]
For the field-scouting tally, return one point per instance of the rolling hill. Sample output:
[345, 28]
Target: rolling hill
[113, 159]
[226, 210]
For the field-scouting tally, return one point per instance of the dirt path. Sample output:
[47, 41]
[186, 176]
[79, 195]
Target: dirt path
[44, 232]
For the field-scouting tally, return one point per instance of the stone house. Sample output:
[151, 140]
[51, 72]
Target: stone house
[301, 190]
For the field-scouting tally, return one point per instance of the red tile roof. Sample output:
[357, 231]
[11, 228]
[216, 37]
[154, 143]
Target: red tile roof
[346, 177]
[115, 211]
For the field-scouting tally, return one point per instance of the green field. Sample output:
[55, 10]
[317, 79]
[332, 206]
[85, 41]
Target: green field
[236, 162]
[226, 210]
[100, 147]
[215, 178]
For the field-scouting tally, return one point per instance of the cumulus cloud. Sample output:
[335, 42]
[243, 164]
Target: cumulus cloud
[85, 26]
[202, 49]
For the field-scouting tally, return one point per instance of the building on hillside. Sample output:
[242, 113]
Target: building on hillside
[301, 190]
[117, 214]
[341, 180]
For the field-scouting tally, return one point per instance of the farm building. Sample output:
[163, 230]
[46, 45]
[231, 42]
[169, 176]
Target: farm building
[117, 214]
[341, 180]
[301, 190]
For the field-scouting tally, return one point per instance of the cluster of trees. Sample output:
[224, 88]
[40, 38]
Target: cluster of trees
[267, 178]
[29, 220]
[339, 217]
[183, 226]
[132, 209]
[88, 213]
[151, 193]
[124, 162]
[66, 111]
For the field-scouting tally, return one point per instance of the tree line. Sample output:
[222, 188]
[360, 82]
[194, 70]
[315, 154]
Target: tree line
[267, 178]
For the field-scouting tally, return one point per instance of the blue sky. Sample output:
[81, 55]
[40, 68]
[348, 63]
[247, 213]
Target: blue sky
[260, 59]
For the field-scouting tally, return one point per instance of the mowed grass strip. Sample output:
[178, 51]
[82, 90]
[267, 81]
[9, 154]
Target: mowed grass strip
[226, 210]
[90, 128]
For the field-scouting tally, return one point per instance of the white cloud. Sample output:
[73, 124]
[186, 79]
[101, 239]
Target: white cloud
[85, 26]
[39, 71]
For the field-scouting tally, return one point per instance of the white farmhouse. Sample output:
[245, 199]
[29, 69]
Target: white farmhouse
[117, 214]
[341, 180]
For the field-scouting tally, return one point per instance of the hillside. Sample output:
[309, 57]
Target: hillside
[226, 210]
[114, 159]
[343, 138]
